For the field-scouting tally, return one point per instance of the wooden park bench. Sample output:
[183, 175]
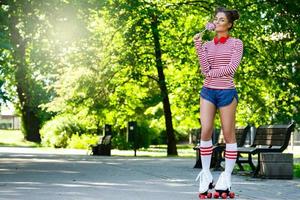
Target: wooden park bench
[219, 147]
[103, 148]
[270, 138]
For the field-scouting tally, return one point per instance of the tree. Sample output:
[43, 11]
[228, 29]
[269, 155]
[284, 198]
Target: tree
[21, 21]
[141, 20]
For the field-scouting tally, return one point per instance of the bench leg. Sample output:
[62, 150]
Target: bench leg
[198, 160]
[256, 172]
[198, 164]
[251, 163]
[218, 161]
[240, 165]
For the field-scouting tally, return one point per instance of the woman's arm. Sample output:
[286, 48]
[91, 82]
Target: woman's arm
[234, 63]
[202, 54]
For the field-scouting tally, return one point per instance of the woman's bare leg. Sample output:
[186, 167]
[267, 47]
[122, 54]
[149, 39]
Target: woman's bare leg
[227, 114]
[207, 116]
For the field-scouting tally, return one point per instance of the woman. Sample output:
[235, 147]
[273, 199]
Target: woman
[219, 60]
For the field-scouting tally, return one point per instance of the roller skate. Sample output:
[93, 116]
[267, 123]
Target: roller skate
[205, 184]
[223, 187]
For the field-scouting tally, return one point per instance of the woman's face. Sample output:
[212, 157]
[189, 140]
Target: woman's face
[221, 22]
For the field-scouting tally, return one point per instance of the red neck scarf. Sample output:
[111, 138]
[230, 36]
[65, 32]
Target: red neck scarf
[221, 40]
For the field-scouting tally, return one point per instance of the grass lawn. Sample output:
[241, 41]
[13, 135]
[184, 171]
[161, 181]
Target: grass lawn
[183, 150]
[14, 138]
[297, 170]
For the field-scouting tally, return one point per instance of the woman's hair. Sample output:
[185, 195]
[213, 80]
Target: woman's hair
[231, 15]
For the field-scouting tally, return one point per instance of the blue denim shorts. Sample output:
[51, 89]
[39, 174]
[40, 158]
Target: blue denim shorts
[219, 97]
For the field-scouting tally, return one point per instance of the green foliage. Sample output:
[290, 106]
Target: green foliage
[119, 142]
[82, 141]
[14, 138]
[297, 170]
[59, 131]
[144, 135]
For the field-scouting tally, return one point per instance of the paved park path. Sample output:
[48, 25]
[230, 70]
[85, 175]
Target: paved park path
[28, 173]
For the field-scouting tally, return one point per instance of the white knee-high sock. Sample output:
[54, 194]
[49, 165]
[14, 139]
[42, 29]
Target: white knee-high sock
[230, 157]
[206, 150]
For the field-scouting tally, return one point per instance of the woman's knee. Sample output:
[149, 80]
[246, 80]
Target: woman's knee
[206, 134]
[229, 136]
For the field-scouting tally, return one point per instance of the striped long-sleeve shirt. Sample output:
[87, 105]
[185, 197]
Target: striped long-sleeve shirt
[219, 62]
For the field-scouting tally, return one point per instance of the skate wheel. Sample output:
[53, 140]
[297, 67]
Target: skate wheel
[216, 195]
[224, 195]
[209, 195]
[202, 196]
[231, 195]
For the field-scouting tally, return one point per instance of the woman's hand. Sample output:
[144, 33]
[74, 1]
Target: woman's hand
[198, 36]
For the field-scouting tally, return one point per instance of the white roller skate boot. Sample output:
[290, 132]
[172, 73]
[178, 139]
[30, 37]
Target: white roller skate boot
[205, 184]
[223, 187]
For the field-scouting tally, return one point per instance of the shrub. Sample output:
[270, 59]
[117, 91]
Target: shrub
[297, 170]
[144, 135]
[82, 141]
[119, 142]
[57, 132]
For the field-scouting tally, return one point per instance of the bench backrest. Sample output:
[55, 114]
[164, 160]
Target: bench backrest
[241, 134]
[100, 139]
[273, 135]
[106, 140]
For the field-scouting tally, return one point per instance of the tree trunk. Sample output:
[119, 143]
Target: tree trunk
[171, 141]
[31, 125]
[30, 120]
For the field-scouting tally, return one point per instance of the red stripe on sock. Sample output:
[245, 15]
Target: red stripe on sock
[230, 151]
[230, 157]
[206, 153]
[231, 154]
[210, 147]
[205, 150]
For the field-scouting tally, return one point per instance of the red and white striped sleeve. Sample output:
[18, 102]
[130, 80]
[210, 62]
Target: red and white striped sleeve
[202, 56]
[233, 64]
